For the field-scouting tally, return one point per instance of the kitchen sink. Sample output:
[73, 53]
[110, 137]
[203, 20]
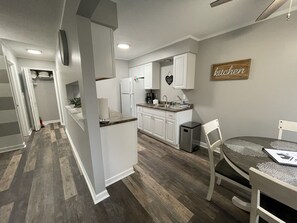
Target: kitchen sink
[178, 106]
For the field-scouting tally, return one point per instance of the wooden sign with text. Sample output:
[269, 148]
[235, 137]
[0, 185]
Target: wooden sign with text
[235, 70]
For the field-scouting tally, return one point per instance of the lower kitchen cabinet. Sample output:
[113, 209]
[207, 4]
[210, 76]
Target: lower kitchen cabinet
[158, 127]
[163, 125]
[170, 129]
[147, 123]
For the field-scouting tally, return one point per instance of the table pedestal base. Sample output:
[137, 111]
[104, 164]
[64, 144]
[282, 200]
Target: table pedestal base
[246, 206]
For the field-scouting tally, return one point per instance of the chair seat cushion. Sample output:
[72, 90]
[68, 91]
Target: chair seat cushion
[226, 170]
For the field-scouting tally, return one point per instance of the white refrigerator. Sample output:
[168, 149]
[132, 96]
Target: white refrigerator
[132, 93]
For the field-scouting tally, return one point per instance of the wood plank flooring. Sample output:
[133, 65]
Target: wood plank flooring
[42, 183]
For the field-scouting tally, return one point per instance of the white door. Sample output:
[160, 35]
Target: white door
[147, 123]
[170, 131]
[32, 99]
[159, 127]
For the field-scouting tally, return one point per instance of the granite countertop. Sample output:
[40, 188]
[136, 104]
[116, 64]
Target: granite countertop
[117, 118]
[176, 108]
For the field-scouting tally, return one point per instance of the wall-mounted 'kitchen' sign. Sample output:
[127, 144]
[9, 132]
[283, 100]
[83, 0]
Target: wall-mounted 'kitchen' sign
[235, 70]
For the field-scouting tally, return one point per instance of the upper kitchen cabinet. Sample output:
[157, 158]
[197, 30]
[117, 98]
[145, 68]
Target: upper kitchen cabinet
[152, 75]
[184, 71]
[103, 51]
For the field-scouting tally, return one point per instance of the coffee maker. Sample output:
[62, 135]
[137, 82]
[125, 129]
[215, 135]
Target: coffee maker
[150, 96]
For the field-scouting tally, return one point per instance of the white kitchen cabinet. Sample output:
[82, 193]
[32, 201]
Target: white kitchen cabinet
[147, 123]
[170, 129]
[132, 71]
[137, 71]
[152, 75]
[158, 127]
[161, 124]
[103, 51]
[184, 71]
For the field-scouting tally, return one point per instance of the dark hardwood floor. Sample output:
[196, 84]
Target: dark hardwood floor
[42, 183]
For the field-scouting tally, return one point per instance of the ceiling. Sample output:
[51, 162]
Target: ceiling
[151, 24]
[32, 22]
[145, 24]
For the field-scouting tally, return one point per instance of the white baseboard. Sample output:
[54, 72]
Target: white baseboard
[12, 148]
[96, 197]
[51, 121]
[203, 145]
[119, 176]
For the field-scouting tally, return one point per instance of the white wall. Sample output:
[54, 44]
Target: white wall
[253, 106]
[87, 141]
[46, 100]
[110, 88]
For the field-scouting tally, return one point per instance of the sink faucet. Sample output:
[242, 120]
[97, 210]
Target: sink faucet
[165, 96]
[181, 100]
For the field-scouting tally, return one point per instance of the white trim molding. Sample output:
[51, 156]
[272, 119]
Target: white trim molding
[12, 148]
[96, 197]
[119, 176]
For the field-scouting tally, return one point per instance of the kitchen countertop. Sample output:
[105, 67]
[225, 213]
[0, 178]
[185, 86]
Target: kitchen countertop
[117, 118]
[174, 109]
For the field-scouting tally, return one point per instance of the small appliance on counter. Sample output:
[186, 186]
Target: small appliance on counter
[103, 110]
[155, 101]
[150, 96]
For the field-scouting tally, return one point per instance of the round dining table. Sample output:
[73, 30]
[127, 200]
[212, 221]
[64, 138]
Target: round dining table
[244, 152]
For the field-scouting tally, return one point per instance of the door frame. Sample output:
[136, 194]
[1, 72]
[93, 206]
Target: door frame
[57, 90]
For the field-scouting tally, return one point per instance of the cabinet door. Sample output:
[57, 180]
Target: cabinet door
[147, 123]
[103, 50]
[159, 127]
[132, 72]
[184, 71]
[139, 120]
[170, 131]
[179, 71]
[148, 76]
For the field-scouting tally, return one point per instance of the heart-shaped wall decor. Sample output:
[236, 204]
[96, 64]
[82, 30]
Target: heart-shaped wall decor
[169, 79]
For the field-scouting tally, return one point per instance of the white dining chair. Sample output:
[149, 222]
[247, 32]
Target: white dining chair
[287, 126]
[280, 192]
[222, 170]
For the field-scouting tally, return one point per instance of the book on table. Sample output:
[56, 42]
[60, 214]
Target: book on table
[284, 157]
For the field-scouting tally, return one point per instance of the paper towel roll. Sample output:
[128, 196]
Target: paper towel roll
[103, 109]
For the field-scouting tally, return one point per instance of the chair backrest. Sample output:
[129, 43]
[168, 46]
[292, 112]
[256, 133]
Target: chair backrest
[272, 187]
[286, 125]
[210, 127]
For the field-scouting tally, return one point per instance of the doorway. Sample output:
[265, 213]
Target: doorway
[42, 97]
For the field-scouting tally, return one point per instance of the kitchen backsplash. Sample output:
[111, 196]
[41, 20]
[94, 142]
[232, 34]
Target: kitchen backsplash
[167, 89]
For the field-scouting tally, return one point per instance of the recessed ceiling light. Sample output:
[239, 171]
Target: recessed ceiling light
[34, 51]
[123, 46]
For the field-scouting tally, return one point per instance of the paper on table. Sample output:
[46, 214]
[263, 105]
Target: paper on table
[282, 156]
